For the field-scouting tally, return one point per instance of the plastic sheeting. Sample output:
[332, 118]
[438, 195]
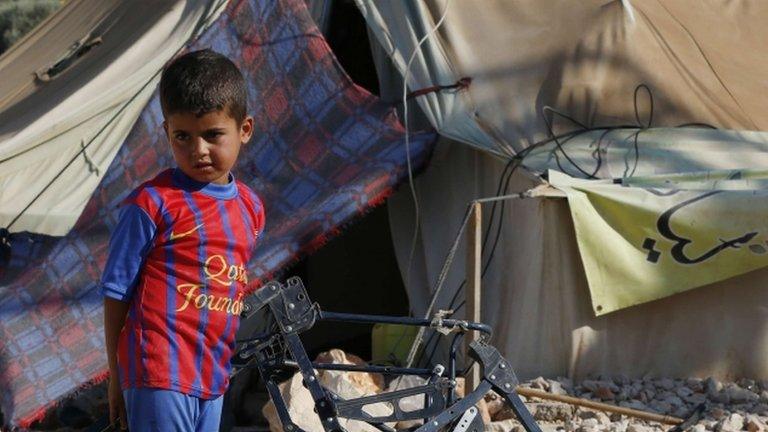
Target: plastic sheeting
[59, 134]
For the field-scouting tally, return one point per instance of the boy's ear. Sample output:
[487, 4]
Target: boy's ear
[165, 127]
[246, 129]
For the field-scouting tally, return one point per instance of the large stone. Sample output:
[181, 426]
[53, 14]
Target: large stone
[666, 383]
[604, 393]
[507, 425]
[661, 407]
[683, 392]
[495, 403]
[347, 385]
[366, 383]
[731, 423]
[712, 387]
[540, 383]
[638, 428]
[410, 403]
[754, 423]
[555, 387]
[550, 411]
[740, 395]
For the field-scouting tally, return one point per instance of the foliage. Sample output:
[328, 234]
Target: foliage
[17, 17]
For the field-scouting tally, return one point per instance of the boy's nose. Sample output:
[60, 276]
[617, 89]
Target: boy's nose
[201, 147]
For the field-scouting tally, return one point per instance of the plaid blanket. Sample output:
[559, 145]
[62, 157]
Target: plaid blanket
[324, 151]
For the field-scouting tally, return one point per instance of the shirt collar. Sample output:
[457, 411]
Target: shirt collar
[214, 190]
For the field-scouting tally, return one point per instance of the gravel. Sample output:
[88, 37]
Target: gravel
[727, 406]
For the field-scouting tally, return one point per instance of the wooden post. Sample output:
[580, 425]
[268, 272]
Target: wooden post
[472, 289]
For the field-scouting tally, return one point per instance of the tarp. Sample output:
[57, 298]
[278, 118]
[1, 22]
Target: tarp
[535, 292]
[324, 150]
[584, 59]
[656, 236]
[60, 130]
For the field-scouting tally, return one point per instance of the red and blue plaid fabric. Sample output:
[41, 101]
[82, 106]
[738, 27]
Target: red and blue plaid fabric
[324, 151]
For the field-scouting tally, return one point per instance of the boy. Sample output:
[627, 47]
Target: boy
[173, 283]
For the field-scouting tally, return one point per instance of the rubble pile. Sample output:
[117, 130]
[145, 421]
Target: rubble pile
[729, 406]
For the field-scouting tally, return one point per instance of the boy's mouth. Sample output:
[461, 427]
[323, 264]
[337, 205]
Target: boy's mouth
[203, 165]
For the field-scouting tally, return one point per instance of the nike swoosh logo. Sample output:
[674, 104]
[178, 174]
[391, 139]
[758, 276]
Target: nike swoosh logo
[175, 236]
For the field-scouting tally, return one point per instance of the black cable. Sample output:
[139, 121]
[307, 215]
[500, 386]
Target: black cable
[558, 140]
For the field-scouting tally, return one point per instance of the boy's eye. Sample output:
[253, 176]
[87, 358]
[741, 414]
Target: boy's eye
[181, 136]
[212, 135]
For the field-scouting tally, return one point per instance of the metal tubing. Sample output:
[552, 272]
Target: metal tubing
[452, 366]
[388, 370]
[419, 322]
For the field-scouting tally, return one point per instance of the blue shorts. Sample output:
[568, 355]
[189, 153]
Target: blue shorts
[155, 410]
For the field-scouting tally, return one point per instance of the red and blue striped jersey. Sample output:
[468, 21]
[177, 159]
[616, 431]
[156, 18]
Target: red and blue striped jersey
[179, 255]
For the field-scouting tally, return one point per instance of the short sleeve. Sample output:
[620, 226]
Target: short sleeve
[128, 248]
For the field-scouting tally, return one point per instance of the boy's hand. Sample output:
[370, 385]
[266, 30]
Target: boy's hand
[116, 404]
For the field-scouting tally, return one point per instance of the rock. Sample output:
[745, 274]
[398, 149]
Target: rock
[502, 426]
[367, 383]
[695, 385]
[680, 412]
[646, 396]
[619, 426]
[592, 386]
[666, 384]
[551, 412]
[603, 418]
[717, 413]
[494, 402]
[623, 394]
[604, 393]
[346, 385]
[622, 380]
[764, 396]
[739, 395]
[410, 403]
[540, 383]
[696, 399]
[683, 392]
[712, 387]
[754, 424]
[590, 423]
[731, 423]
[638, 428]
[761, 409]
[674, 401]
[555, 387]
[747, 384]
[661, 407]
[699, 428]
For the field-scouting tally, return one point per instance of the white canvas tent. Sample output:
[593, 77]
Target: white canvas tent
[56, 140]
[700, 61]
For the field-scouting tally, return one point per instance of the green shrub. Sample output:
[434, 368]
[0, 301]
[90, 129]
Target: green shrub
[17, 17]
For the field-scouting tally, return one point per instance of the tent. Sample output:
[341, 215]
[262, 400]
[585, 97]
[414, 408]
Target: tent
[325, 151]
[657, 106]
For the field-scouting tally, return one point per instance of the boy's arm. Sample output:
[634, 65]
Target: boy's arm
[130, 243]
[114, 319]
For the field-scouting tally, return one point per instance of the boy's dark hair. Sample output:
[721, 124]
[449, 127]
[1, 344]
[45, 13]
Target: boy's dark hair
[203, 81]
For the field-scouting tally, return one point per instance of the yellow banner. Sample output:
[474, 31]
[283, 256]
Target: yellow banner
[651, 237]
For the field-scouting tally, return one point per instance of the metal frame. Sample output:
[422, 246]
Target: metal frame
[281, 350]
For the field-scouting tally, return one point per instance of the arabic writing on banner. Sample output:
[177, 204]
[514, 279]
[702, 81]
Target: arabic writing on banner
[650, 237]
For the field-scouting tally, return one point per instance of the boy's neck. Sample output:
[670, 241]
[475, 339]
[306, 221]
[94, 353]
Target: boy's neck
[216, 190]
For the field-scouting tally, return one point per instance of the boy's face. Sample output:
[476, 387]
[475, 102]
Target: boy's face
[206, 147]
